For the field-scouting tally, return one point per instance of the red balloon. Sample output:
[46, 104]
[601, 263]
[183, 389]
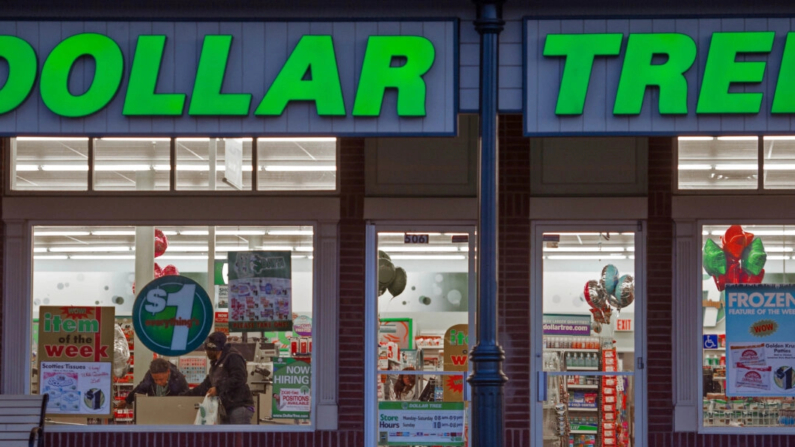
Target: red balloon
[170, 270]
[735, 240]
[747, 278]
[158, 271]
[161, 243]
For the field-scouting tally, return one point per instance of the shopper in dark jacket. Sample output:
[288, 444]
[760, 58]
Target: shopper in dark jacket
[227, 380]
[162, 379]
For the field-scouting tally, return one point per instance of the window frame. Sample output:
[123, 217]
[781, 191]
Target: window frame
[172, 190]
[689, 327]
[371, 307]
[18, 274]
[760, 187]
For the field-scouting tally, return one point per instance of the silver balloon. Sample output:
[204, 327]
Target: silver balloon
[121, 353]
[399, 284]
[595, 294]
[609, 279]
[386, 272]
[625, 292]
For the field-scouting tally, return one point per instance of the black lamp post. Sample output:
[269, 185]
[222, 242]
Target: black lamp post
[487, 379]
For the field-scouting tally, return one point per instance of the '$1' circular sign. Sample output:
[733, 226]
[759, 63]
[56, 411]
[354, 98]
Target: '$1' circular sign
[172, 315]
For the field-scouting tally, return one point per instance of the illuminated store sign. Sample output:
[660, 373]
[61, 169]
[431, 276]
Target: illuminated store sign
[308, 78]
[659, 76]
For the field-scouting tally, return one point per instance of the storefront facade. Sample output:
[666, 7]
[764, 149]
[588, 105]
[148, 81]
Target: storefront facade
[339, 132]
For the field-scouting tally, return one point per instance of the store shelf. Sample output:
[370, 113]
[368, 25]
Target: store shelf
[570, 350]
[573, 386]
[583, 409]
[584, 432]
[582, 368]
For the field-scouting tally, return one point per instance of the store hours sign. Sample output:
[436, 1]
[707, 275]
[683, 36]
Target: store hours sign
[173, 315]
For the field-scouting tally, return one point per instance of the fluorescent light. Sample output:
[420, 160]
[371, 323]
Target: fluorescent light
[187, 248]
[705, 233]
[780, 138]
[585, 249]
[170, 233]
[26, 168]
[114, 233]
[240, 233]
[304, 249]
[695, 138]
[403, 234]
[576, 234]
[695, 167]
[456, 234]
[60, 233]
[738, 138]
[102, 257]
[737, 167]
[207, 139]
[584, 257]
[778, 250]
[184, 257]
[761, 232]
[418, 247]
[291, 233]
[162, 167]
[429, 257]
[39, 250]
[135, 139]
[122, 167]
[50, 257]
[778, 258]
[779, 167]
[298, 140]
[64, 168]
[52, 139]
[275, 248]
[89, 248]
[184, 167]
[271, 168]
[194, 233]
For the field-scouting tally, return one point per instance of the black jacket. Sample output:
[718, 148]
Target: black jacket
[176, 385]
[228, 375]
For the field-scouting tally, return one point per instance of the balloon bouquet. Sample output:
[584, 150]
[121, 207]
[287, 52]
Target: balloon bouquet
[610, 290]
[161, 245]
[740, 259]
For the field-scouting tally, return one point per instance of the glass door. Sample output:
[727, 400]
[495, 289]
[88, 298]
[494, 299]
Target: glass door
[424, 294]
[587, 327]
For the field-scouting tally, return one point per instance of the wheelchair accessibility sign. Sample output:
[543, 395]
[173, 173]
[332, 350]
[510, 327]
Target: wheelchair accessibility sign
[710, 341]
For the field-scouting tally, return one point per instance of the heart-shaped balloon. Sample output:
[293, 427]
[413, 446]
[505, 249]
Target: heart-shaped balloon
[170, 270]
[609, 279]
[735, 240]
[591, 292]
[754, 257]
[161, 243]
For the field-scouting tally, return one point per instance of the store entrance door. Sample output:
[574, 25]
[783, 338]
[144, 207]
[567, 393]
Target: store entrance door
[588, 335]
[421, 296]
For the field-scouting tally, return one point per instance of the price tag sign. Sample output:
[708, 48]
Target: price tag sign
[172, 315]
[415, 238]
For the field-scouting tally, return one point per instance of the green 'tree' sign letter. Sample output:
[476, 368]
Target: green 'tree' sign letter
[678, 53]
[309, 74]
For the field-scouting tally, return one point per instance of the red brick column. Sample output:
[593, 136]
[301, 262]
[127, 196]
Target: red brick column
[514, 276]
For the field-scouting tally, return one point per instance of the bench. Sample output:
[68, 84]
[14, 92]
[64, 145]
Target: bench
[22, 420]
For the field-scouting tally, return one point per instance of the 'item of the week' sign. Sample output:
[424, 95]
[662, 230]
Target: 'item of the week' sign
[322, 77]
[760, 340]
[666, 76]
[567, 324]
[76, 334]
[172, 315]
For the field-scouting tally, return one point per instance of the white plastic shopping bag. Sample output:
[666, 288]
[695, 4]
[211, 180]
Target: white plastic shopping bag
[208, 412]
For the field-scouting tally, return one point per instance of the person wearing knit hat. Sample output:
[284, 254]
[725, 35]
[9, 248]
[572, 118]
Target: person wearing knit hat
[227, 380]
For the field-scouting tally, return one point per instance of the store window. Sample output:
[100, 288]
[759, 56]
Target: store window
[589, 386]
[736, 163]
[85, 277]
[744, 342]
[144, 164]
[425, 330]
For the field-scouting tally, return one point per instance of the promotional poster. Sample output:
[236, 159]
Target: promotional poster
[421, 423]
[260, 291]
[760, 340]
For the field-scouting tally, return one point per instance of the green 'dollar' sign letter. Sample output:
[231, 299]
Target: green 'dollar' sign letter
[22, 66]
[107, 75]
[722, 70]
[313, 55]
[639, 73]
[141, 99]
[378, 74]
[207, 98]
